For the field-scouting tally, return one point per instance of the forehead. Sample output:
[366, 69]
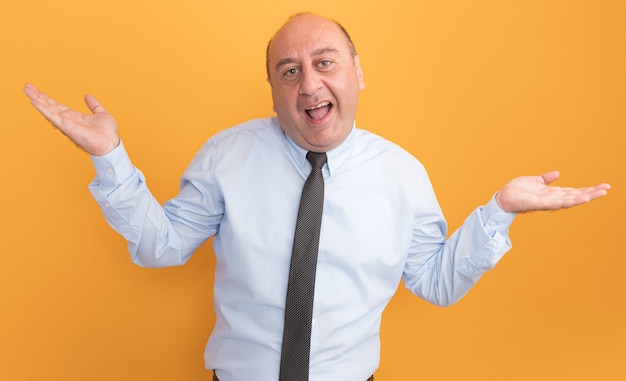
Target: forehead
[307, 34]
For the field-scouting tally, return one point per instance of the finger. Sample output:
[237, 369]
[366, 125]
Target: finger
[31, 91]
[550, 177]
[41, 101]
[597, 193]
[604, 186]
[50, 109]
[584, 196]
[94, 105]
[36, 96]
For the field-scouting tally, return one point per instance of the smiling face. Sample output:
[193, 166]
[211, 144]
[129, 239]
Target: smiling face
[316, 79]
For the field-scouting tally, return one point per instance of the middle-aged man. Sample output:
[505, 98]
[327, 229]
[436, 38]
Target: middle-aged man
[381, 221]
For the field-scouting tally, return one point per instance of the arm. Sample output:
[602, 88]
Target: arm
[157, 236]
[442, 270]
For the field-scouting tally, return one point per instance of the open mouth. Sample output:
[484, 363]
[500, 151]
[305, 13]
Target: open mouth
[319, 112]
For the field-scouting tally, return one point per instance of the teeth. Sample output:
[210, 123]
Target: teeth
[323, 104]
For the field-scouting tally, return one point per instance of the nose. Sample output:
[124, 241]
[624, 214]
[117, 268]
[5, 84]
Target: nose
[310, 82]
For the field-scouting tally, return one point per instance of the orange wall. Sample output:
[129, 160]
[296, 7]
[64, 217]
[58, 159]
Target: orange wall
[479, 91]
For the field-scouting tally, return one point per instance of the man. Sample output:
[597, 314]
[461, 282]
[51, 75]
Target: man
[380, 222]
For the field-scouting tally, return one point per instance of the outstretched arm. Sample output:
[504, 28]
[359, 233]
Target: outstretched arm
[95, 133]
[532, 193]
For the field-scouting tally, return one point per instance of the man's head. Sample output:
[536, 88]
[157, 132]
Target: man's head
[316, 78]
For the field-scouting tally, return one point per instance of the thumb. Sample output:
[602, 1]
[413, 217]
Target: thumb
[94, 105]
[551, 176]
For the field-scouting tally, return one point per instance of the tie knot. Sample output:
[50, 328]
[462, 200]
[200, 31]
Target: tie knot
[316, 159]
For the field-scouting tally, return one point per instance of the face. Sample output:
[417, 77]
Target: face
[315, 80]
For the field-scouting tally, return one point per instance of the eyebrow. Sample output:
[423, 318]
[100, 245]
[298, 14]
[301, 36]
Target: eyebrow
[316, 52]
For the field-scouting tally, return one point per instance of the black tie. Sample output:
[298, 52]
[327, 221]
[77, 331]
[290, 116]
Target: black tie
[294, 360]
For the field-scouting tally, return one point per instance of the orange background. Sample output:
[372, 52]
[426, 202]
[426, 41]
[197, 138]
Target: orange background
[479, 91]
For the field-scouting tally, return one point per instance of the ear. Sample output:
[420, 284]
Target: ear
[269, 81]
[359, 71]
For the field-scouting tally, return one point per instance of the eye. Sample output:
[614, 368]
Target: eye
[291, 72]
[324, 64]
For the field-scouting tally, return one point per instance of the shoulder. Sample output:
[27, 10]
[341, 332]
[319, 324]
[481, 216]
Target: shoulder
[264, 128]
[253, 138]
[374, 147]
[253, 134]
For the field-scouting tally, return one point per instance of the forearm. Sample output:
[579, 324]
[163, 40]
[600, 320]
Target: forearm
[154, 240]
[443, 272]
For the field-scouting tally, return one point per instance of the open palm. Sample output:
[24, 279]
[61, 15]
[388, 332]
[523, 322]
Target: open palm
[530, 193]
[95, 133]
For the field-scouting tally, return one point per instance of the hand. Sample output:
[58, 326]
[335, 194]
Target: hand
[96, 134]
[530, 193]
